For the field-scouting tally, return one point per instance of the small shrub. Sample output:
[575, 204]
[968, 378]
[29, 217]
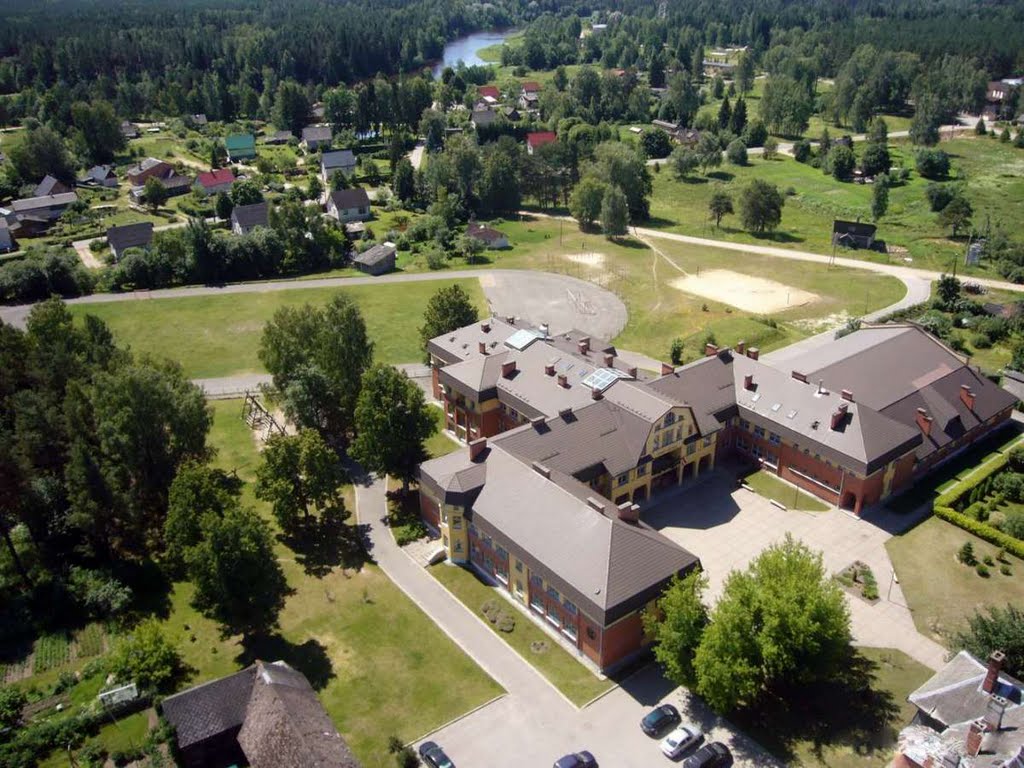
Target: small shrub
[506, 623]
[490, 609]
[435, 259]
[966, 554]
[1005, 570]
[870, 592]
[987, 560]
[1001, 556]
[982, 570]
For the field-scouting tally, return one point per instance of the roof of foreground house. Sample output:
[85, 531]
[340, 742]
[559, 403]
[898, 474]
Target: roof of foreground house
[130, 236]
[46, 201]
[339, 158]
[355, 197]
[252, 215]
[376, 254]
[317, 133]
[216, 178]
[282, 723]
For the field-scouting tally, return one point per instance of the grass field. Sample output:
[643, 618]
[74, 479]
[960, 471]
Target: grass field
[995, 182]
[659, 312]
[573, 679]
[942, 592]
[379, 663]
[219, 335]
[771, 487]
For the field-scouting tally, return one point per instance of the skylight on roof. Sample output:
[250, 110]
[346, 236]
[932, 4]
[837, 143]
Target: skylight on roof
[522, 338]
[602, 378]
[776, 407]
[791, 414]
[755, 397]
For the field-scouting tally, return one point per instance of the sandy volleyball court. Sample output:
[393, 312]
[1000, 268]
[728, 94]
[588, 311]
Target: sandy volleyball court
[587, 259]
[751, 294]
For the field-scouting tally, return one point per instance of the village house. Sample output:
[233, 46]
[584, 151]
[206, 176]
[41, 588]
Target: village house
[212, 182]
[168, 177]
[340, 160]
[492, 238]
[376, 260]
[129, 130]
[99, 176]
[349, 205]
[266, 716]
[279, 137]
[120, 239]
[511, 114]
[489, 94]
[150, 166]
[688, 137]
[37, 214]
[539, 139]
[245, 218]
[316, 137]
[50, 186]
[483, 117]
[853, 234]
[240, 146]
[969, 715]
[198, 120]
[529, 95]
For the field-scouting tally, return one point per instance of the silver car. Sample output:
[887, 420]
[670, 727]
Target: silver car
[680, 740]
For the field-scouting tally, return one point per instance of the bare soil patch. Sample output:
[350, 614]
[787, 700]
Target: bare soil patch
[751, 294]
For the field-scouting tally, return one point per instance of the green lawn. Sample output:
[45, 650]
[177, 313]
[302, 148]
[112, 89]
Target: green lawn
[381, 666]
[439, 444]
[219, 335]
[573, 679]
[995, 183]
[659, 312]
[848, 723]
[943, 593]
[128, 733]
[771, 487]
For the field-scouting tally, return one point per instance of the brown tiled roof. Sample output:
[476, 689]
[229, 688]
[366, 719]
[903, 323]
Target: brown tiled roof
[210, 709]
[707, 385]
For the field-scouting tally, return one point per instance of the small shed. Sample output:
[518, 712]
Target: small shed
[853, 234]
[377, 260]
[245, 218]
[492, 238]
[316, 137]
[240, 146]
[129, 236]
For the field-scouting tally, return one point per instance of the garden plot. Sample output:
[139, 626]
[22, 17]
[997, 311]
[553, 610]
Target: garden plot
[751, 294]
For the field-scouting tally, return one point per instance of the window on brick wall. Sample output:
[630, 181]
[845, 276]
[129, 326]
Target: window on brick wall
[759, 432]
[774, 439]
[519, 566]
[553, 594]
[591, 634]
[569, 606]
[501, 552]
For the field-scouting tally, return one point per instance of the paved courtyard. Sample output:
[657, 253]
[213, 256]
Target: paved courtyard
[729, 526]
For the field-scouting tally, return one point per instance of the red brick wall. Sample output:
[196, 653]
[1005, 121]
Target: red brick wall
[429, 510]
[621, 639]
[435, 381]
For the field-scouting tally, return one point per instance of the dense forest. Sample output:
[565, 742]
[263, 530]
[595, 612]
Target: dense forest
[226, 58]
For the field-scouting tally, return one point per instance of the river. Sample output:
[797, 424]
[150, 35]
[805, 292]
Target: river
[465, 49]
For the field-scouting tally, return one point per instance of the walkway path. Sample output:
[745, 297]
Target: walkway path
[534, 724]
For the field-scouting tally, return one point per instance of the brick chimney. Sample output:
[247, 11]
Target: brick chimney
[629, 512]
[924, 421]
[485, 326]
[995, 666]
[748, 381]
[800, 376]
[666, 369]
[549, 369]
[741, 347]
[482, 346]
[967, 396]
[596, 394]
[594, 503]
[710, 350]
[563, 380]
[631, 371]
[846, 395]
[510, 319]
[476, 447]
[973, 744]
[838, 415]
[583, 345]
[508, 368]
[541, 470]
[753, 353]
[609, 359]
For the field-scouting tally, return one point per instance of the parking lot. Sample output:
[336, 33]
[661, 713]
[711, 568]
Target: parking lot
[510, 733]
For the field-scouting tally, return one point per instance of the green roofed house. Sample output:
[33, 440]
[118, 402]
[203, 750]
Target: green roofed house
[240, 146]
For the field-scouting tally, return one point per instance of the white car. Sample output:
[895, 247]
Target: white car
[680, 740]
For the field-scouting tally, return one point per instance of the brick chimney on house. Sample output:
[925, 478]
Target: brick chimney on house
[799, 376]
[485, 326]
[994, 712]
[583, 345]
[563, 381]
[508, 368]
[609, 360]
[482, 346]
[629, 512]
[924, 421]
[549, 369]
[967, 396]
[476, 447]
[973, 743]
[596, 394]
[846, 395]
[710, 350]
[510, 319]
[741, 347]
[541, 470]
[838, 415]
[631, 371]
[753, 353]
[995, 666]
[666, 369]
[748, 381]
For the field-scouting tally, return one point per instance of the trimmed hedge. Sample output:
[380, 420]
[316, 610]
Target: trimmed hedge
[946, 504]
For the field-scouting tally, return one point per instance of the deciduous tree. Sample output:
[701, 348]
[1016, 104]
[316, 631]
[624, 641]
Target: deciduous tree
[614, 212]
[761, 206]
[996, 629]
[147, 658]
[720, 205]
[447, 310]
[586, 200]
[300, 476]
[677, 624]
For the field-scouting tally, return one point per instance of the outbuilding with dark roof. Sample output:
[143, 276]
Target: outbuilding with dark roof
[128, 236]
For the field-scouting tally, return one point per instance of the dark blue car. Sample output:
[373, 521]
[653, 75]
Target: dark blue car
[659, 720]
[582, 759]
[434, 756]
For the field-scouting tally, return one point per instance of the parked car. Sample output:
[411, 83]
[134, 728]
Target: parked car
[680, 740]
[713, 755]
[582, 759]
[659, 720]
[434, 756]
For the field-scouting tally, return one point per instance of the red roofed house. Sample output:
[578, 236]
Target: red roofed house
[539, 139]
[531, 87]
[212, 182]
[489, 92]
[529, 95]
